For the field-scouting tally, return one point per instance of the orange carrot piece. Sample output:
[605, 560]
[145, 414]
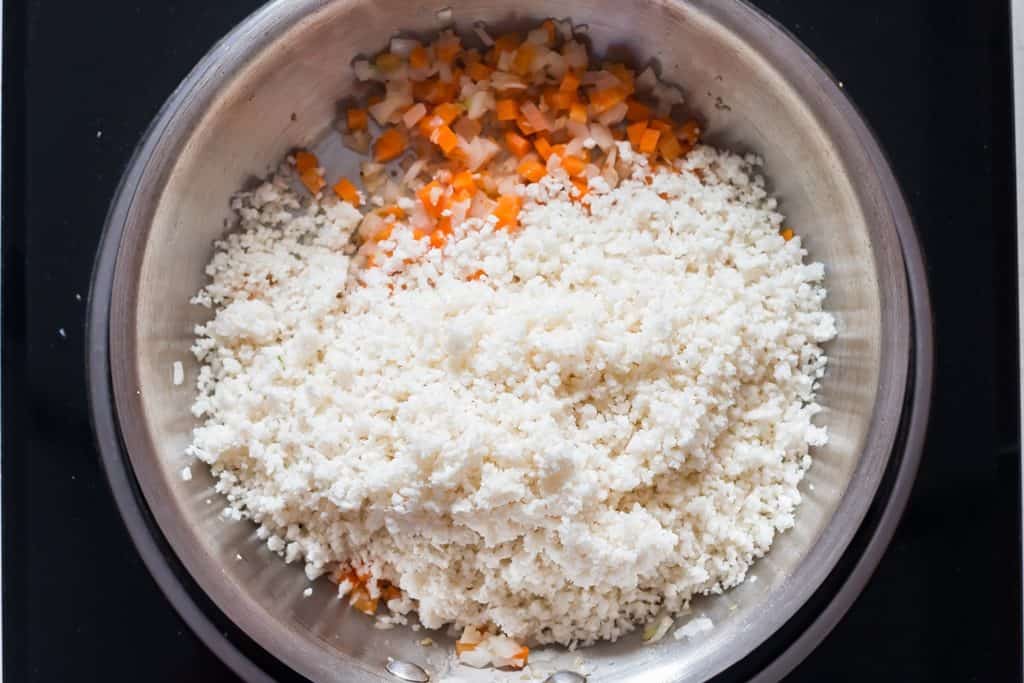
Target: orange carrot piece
[603, 100]
[438, 238]
[357, 119]
[624, 74]
[445, 138]
[371, 260]
[543, 147]
[649, 141]
[516, 143]
[787, 234]
[448, 51]
[419, 57]
[461, 647]
[637, 111]
[690, 133]
[523, 61]
[635, 132]
[305, 161]
[669, 147]
[384, 233]
[558, 100]
[507, 110]
[549, 26]
[347, 191]
[570, 83]
[390, 593]
[578, 112]
[574, 166]
[581, 186]
[507, 42]
[507, 211]
[531, 169]
[389, 145]
[661, 125]
[463, 182]
[479, 71]
[524, 126]
[393, 211]
[426, 195]
[447, 112]
[364, 603]
[476, 275]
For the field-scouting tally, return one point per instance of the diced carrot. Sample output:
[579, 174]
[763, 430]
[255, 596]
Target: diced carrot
[384, 233]
[375, 99]
[507, 110]
[523, 654]
[393, 211]
[357, 119]
[581, 186]
[444, 225]
[418, 234]
[445, 138]
[386, 61]
[637, 111]
[516, 143]
[434, 91]
[427, 195]
[463, 182]
[347, 191]
[461, 647]
[635, 132]
[578, 112]
[649, 141]
[523, 61]
[524, 126]
[507, 211]
[390, 592]
[603, 100]
[305, 161]
[313, 181]
[558, 100]
[479, 71]
[476, 275]
[573, 165]
[365, 604]
[787, 234]
[570, 83]
[661, 125]
[669, 147]
[447, 112]
[559, 150]
[471, 56]
[618, 133]
[690, 132]
[371, 260]
[389, 145]
[507, 42]
[447, 51]
[549, 26]
[531, 169]
[419, 57]
[438, 238]
[543, 147]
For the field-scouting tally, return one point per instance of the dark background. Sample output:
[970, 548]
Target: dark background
[82, 80]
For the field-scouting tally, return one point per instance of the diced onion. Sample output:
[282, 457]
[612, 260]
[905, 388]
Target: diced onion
[364, 71]
[613, 115]
[414, 114]
[403, 46]
[535, 117]
[484, 36]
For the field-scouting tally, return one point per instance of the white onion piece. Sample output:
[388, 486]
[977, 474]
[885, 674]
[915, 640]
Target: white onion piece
[364, 71]
[577, 129]
[403, 47]
[444, 16]
[538, 36]
[575, 54]
[480, 103]
[484, 36]
[602, 136]
[613, 115]
[502, 80]
[414, 170]
[413, 115]
[574, 147]
[564, 27]
[358, 141]
[647, 79]
[505, 60]
[534, 116]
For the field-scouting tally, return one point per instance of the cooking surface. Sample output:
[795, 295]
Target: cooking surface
[81, 82]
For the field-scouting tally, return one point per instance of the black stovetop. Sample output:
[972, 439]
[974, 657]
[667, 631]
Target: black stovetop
[82, 80]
